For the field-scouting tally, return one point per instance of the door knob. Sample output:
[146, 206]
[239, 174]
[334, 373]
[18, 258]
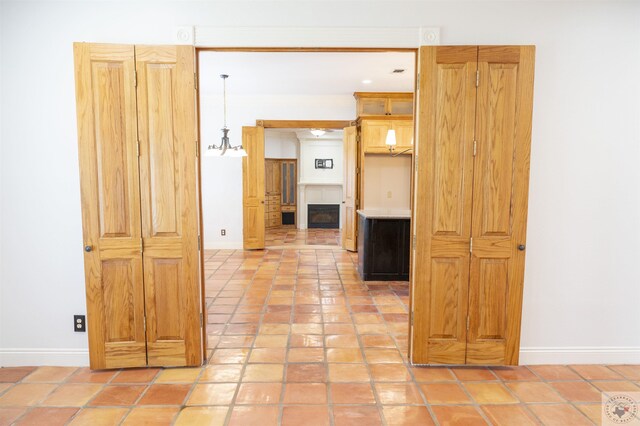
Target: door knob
[521, 247]
[88, 248]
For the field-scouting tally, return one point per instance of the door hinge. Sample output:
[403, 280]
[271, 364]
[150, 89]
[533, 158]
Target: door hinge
[477, 78]
[198, 242]
[471, 245]
[201, 319]
[414, 242]
[135, 78]
[467, 322]
[195, 81]
[197, 149]
[138, 148]
[412, 319]
[144, 323]
[475, 147]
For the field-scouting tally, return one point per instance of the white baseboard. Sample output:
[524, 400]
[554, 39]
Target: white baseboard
[579, 355]
[218, 245]
[528, 356]
[19, 357]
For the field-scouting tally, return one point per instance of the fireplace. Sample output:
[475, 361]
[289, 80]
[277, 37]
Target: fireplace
[323, 216]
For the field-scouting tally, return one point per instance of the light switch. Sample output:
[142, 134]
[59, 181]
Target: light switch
[389, 194]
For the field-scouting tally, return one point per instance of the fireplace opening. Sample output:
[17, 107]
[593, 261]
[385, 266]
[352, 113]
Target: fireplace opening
[323, 216]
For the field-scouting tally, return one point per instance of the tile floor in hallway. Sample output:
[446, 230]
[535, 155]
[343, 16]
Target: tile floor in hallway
[295, 338]
[300, 237]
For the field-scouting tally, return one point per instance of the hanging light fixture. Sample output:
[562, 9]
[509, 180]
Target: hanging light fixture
[225, 149]
[318, 132]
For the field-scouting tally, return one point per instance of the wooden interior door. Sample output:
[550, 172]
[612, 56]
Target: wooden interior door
[106, 110]
[169, 203]
[500, 200]
[350, 189]
[442, 203]
[253, 188]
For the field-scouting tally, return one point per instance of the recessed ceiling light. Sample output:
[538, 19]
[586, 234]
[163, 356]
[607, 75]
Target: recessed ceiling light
[367, 81]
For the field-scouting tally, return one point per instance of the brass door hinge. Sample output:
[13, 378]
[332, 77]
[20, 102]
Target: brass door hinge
[135, 78]
[412, 319]
[138, 148]
[198, 242]
[477, 78]
[197, 149]
[195, 81]
[467, 323]
[471, 245]
[144, 323]
[475, 147]
[414, 242]
[201, 319]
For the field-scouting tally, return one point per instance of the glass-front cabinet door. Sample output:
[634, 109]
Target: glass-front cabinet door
[288, 169]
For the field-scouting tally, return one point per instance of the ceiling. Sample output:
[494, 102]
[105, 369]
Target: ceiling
[305, 73]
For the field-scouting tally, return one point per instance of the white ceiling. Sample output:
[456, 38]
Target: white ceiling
[305, 73]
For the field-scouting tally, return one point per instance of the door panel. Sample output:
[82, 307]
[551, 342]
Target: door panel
[374, 136]
[253, 187]
[443, 199]
[167, 132]
[106, 111]
[349, 213]
[500, 188]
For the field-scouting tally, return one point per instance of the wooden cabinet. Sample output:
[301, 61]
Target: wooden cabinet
[470, 205]
[139, 204]
[384, 103]
[280, 192]
[374, 135]
[383, 248]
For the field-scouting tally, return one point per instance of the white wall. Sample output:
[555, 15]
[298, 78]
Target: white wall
[278, 144]
[581, 285]
[312, 149]
[387, 182]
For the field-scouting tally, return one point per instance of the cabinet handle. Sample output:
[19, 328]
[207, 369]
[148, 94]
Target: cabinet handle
[88, 248]
[521, 247]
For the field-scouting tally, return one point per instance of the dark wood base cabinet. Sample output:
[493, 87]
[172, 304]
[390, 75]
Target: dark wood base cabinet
[383, 248]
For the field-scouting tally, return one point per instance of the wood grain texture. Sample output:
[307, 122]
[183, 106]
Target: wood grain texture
[109, 184]
[442, 204]
[350, 188]
[169, 203]
[501, 182]
[253, 188]
[302, 124]
[463, 196]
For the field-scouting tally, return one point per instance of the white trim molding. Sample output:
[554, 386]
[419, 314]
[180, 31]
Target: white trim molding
[391, 37]
[20, 357]
[579, 355]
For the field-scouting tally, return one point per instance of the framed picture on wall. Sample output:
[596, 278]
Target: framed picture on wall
[324, 163]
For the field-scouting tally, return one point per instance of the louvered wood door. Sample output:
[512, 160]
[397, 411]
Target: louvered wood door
[109, 183]
[442, 209]
[253, 188]
[500, 202]
[169, 203]
[350, 188]
[471, 203]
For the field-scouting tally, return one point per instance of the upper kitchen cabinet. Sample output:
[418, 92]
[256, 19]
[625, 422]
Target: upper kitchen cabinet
[399, 104]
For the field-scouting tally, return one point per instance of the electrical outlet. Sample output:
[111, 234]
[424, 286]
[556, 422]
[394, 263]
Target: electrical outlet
[79, 323]
[223, 232]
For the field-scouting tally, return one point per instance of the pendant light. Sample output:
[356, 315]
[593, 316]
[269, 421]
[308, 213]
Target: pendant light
[225, 149]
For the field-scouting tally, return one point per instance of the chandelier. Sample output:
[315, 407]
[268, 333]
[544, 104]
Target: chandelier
[225, 149]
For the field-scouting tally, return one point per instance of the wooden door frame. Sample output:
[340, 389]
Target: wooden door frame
[285, 124]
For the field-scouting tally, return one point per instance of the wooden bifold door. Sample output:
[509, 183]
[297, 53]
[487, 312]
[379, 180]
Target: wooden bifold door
[470, 205]
[138, 172]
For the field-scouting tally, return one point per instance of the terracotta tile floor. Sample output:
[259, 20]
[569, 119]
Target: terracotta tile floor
[295, 338]
[291, 237]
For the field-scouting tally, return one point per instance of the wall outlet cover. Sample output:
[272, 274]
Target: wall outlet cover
[79, 323]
